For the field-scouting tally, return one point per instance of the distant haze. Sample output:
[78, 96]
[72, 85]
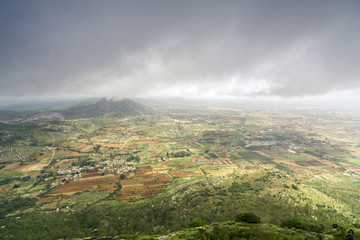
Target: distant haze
[194, 49]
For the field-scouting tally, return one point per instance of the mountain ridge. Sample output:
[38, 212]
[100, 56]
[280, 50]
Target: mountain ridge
[125, 106]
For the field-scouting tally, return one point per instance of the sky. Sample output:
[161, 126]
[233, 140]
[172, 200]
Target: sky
[283, 49]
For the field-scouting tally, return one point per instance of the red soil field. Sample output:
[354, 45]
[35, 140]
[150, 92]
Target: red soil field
[222, 161]
[144, 185]
[81, 185]
[4, 188]
[317, 163]
[51, 198]
[332, 169]
[188, 164]
[90, 174]
[111, 187]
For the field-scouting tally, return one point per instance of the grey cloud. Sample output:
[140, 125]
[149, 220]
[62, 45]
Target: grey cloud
[179, 48]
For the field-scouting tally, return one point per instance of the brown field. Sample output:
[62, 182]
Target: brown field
[67, 161]
[254, 127]
[253, 167]
[111, 187]
[50, 198]
[90, 174]
[4, 188]
[317, 163]
[223, 161]
[144, 185]
[59, 143]
[111, 145]
[188, 164]
[180, 173]
[351, 166]
[168, 163]
[28, 167]
[48, 182]
[132, 146]
[332, 169]
[82, 184]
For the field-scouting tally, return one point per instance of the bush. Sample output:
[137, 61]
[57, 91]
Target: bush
[247, 217]
[296, 223]
[133, 158]
[196, 223]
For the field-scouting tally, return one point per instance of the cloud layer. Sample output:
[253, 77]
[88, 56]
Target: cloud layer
[179, 48]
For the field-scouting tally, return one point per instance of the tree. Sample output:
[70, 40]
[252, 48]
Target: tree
[97, 148]
[119, 186]
[247, 217]
[196, 223]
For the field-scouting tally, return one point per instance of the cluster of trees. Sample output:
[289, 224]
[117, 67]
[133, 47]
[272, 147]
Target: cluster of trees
[180, 154]
[132, 157]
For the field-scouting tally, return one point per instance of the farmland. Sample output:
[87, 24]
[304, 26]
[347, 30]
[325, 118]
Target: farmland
[168, 159]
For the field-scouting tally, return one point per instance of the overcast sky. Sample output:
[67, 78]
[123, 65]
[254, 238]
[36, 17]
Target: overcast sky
[222, 49]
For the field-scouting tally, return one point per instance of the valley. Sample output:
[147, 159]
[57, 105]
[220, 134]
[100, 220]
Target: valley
[157, 171]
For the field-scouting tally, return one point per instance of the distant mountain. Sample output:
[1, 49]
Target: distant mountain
[103, 106]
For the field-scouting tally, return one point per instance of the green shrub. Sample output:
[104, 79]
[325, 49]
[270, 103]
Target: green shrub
[196, 223]
[296, 223]
[247, 217]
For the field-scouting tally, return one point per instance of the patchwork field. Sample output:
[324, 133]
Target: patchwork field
[273, 156]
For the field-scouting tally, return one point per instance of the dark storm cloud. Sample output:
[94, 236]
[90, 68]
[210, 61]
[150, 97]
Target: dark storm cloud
[179, 48]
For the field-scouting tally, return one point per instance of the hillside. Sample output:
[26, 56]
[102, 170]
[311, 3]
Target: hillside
[228, 230]
[103, 106]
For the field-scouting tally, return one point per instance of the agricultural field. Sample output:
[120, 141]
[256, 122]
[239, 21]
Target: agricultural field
[63, 167]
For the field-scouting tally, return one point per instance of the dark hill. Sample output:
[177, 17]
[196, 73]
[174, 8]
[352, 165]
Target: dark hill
[103, 106]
